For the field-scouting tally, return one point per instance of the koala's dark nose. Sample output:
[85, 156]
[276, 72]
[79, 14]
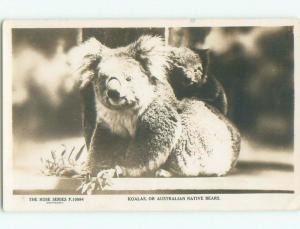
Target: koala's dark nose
[113, 89]
[113, 94]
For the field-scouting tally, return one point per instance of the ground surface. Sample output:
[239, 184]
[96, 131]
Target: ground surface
[259, 169]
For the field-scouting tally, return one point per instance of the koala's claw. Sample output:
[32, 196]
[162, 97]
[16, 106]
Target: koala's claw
[91, 184]
[104, 177]
[106, 174]
[110, 173]
[88, 185]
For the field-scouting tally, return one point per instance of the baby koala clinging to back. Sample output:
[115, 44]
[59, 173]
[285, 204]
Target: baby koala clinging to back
[134, 124]
[190, 77]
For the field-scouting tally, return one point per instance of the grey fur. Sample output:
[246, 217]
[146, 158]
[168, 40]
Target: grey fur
[185, 137]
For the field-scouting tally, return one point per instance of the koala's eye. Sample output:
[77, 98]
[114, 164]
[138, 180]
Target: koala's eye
[128, 78]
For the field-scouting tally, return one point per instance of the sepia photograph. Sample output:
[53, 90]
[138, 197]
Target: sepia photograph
[150, 115]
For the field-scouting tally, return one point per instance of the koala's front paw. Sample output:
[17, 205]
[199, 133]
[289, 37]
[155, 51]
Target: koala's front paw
[89, 185]
[109, 173]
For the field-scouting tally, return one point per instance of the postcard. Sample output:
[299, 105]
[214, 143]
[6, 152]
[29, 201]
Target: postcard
[151, 115]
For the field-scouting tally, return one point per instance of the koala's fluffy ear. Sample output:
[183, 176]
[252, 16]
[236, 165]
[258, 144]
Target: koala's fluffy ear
[83, 60]
[150, 51]
[204, 55]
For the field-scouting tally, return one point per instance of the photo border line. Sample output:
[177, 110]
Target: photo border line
[155, 192]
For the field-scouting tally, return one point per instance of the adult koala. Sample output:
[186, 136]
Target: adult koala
[133, 123]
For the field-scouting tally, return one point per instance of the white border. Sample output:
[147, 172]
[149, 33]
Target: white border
[109, 202]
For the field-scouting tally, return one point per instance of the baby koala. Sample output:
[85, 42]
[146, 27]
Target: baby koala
[135, 125]
[190, 77]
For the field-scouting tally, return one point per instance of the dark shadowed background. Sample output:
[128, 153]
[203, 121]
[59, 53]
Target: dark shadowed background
[255, 65]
